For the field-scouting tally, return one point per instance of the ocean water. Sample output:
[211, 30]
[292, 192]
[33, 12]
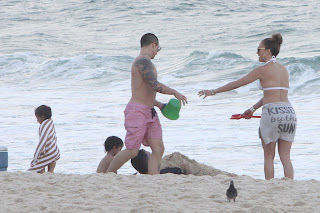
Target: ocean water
[75, 56]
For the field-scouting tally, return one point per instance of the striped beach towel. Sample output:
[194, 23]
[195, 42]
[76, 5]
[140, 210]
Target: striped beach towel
[47, 150]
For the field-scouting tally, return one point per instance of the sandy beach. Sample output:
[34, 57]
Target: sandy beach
[32, 192]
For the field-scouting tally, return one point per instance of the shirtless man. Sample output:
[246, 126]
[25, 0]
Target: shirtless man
[141, 120]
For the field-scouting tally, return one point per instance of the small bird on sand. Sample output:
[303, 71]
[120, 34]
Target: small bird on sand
[231, 192]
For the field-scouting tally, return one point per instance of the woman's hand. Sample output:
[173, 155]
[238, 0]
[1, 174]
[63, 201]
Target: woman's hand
[248, 114]
[206, 93]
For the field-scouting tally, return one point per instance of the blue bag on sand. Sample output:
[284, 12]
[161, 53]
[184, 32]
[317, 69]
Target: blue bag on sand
[3, 158]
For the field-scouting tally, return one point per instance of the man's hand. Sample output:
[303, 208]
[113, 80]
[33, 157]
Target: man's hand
[181, 98]
[159, 105]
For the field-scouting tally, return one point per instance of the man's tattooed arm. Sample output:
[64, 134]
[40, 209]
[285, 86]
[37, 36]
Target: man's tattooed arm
[146, 69]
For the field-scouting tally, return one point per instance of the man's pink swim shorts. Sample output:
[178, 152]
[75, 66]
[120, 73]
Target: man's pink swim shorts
[142, 123]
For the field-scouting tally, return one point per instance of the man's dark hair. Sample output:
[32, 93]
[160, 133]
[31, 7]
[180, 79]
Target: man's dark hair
[43, 110]
[147, 39]
[140, 162]
[112, 141]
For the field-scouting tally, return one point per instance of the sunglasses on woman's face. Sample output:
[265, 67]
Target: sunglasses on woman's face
[258, 49]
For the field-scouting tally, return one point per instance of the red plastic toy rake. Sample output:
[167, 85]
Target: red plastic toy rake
[239, 116]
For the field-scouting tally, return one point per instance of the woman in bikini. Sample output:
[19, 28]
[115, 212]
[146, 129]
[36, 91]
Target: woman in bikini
[278, 121]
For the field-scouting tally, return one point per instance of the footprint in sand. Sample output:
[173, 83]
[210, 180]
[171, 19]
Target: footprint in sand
[299, 203]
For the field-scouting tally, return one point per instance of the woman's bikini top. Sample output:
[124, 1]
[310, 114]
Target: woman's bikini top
[273, 59]
[272, 88]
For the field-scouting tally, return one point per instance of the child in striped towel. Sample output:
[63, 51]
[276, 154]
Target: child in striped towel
[47, 152]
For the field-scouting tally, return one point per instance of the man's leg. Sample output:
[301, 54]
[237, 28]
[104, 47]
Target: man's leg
[121, 158]
[284, 148]
[269, 153]
[157, 148]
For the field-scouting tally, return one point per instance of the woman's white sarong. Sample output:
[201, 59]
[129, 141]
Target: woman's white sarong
[278, 121]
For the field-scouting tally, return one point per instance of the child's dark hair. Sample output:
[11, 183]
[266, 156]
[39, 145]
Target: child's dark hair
[43, 110]
[112, 141]
[140, 162]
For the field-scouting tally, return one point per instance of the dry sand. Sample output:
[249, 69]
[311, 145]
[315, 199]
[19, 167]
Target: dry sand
[32, 192]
